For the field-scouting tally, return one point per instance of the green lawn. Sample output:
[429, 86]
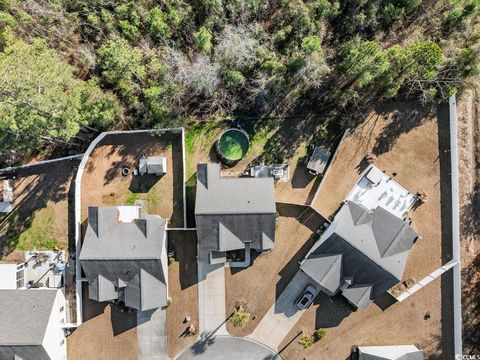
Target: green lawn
[40, 234]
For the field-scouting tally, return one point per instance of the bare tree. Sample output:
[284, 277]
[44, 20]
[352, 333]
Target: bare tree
[236, 47]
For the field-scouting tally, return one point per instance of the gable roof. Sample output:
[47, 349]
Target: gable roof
[216, 195]
[371, 247]
[25, 315]
[232, 212]
[123, 260]
[325, 269]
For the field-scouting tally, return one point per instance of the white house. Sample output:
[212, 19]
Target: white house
[31, 324]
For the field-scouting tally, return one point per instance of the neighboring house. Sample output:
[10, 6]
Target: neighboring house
[31, 324]
[6, 196]
[392, 352]
[362, 253]
[156, 165]
[124, 257]
[233, 213]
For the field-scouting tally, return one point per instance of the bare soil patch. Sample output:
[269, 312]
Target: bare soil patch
[106, 333]
[182, 287]
[104, 184]
[40, 216]
[260, 284]
[405, 138]
[414, 143]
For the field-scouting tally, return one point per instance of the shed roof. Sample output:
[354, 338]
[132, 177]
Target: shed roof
[319, 159]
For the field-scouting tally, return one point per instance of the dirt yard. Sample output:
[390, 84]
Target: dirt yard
[469, 160]
[40, 208]
[260, 284]
[406, 140]
[104, 184]
[182, 287]
[106, 333]
[402, 323]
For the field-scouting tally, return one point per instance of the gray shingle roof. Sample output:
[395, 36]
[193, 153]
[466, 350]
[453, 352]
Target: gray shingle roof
[325, 269]
[231, 212]
[390, 352]
[373, 248]
[216, 195]
[120, 259]
[24, 316]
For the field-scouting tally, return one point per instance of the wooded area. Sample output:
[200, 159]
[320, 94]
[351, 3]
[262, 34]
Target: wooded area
[68, 66]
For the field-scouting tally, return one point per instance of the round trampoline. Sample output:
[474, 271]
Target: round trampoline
[232, 145]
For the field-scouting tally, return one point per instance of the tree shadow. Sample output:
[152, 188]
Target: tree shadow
[405, 116]
[34, 188]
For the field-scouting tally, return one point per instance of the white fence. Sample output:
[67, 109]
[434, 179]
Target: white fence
[455, 263]
[78, 202]
[12, 168]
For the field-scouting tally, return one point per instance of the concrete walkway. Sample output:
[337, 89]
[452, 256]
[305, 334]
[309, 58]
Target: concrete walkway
[283, 315]
[152, 334]
[211, 298]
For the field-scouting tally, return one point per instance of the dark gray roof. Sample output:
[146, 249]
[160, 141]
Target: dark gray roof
[125, 261]
[374, 249]
[319, 159]
[231, 212]
[24, 316]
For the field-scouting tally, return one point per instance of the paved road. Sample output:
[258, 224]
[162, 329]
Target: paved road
[227, 347]
[282, 316]
[211, 298]
[152, 334]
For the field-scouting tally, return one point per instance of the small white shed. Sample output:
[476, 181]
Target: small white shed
[156, 165]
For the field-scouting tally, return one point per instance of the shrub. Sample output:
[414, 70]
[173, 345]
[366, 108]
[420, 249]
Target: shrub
[157, 24]
[240, 317]
[306, 341]
[203, 40]
[233, 79]
[320, 334]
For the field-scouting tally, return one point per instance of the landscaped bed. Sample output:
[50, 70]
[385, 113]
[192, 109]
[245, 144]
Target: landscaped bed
[104, 184]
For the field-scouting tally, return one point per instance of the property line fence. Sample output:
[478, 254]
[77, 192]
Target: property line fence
[78, 201]
[38, 163]
[455, 263]
[328, 167]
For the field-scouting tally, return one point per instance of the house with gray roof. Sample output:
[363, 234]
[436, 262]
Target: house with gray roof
[124, 257]
[233, 213]
[390, 352]
[362, 253]
[31, 324]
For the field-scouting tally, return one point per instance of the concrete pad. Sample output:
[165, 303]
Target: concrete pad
[152, 334]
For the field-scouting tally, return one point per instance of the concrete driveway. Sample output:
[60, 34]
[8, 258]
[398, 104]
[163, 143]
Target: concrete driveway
[282, 316]
[152, 334]
[228, 347]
